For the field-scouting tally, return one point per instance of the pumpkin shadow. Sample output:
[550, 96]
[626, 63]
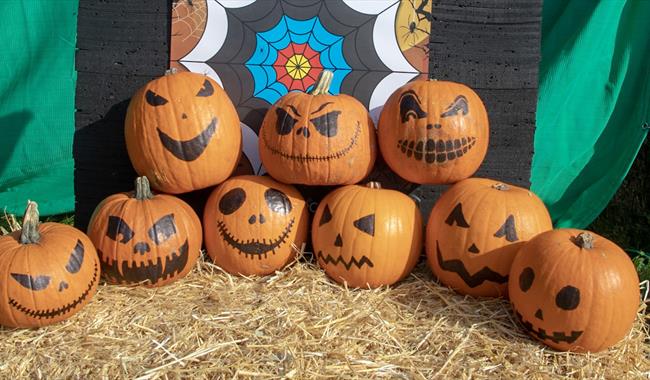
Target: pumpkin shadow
[12, 126]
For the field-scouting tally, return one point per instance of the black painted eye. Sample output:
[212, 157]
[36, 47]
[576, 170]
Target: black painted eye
[328, 124]
[33, 283]
[117, 226]
[568, 298]
[232, 201]
[457, 217]
[206, 90]
[526, 279]
[285, 122]
[277, 201]
[326, 216]
[409, 107]
[366, 224]
[459, 105]
[76, 258]
[154, 99]
[508, 230]
[163, 229]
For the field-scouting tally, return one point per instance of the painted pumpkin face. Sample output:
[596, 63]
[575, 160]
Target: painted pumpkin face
[433, 132]
[475, 230]
[366, 236]
[145, 239]
[182, 132]
[317, 138]
[574, 290]
[48, 279]
[254, 225]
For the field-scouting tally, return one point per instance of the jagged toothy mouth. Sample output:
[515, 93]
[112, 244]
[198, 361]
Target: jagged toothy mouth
[436, 151]
[347, 264]
[309, 158]
[149, 271]
[472, 280]
[62, 310]
[254, 248]
[556, 336]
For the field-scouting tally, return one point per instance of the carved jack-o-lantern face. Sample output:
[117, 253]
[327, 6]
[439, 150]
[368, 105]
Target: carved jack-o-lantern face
[147, 239]
[182, 131]
[366, 236]
[574, 290]
[433, 132]
[475, 230]
[48, 278]
[254, 225]
[317, 139]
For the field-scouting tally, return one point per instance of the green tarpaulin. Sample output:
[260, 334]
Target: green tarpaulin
[593, 103]
[37, 82]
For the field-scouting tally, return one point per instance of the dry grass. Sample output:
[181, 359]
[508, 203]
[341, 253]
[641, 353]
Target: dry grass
[298, 324]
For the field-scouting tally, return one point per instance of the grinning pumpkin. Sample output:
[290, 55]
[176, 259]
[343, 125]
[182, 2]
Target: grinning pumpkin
[318, 139]
[254, 225]
[433, 132]
[145, 239]
[475, 230]
[366, 236]
[182, 132]
[50, 272]
[574, 290]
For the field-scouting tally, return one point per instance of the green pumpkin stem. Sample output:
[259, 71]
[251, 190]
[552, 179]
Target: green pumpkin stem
[323, 83]
[584, 240]
[373, 185]
[501, 186]
[142, 189]
[29, 234]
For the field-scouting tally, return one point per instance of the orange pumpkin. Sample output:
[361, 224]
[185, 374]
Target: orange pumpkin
[433, 132]
[475, 230]
[182, 132]
[50, 271]
[318, 139]
[366, 236]
[144, 238]
[254, 225]
[574, 290]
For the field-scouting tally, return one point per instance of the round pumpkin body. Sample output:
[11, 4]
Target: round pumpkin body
[318, 139]
[254, 225]
[433, 132]
[48, 279]
[574, 290]
[366, 236]
[475, 230]
[182, 132]
[145, 239]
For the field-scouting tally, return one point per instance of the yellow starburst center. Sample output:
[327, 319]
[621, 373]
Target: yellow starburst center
[297, 66]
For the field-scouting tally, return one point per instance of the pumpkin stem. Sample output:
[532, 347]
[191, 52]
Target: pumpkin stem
[501, 186]
[171, 71]
[29, 233]
[323, 83]
[142, 189]
[584, 240]
[373, 185]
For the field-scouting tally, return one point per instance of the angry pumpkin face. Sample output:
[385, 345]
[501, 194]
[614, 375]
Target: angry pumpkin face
[254, 225]
[433, 132]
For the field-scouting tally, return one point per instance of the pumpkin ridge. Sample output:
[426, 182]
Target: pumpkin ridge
[254, 247]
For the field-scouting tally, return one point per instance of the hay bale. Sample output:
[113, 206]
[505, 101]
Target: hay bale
[298, 324]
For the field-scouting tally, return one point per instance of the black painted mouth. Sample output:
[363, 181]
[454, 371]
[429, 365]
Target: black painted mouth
[347, 264]
[436, 151]
[150, 272]
[556, 336]
[254, 248]
[47, 314]
[309, 158]
[472, 280]
[189, 150]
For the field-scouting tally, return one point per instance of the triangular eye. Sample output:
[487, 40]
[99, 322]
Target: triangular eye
[162, 229]
[508, 230]
[154, 99]
[328, 124]
[33, 283]
[366, 224]
[76, 258]
[326, 216]
[457, 217]
[206, 90]
[116, 227]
